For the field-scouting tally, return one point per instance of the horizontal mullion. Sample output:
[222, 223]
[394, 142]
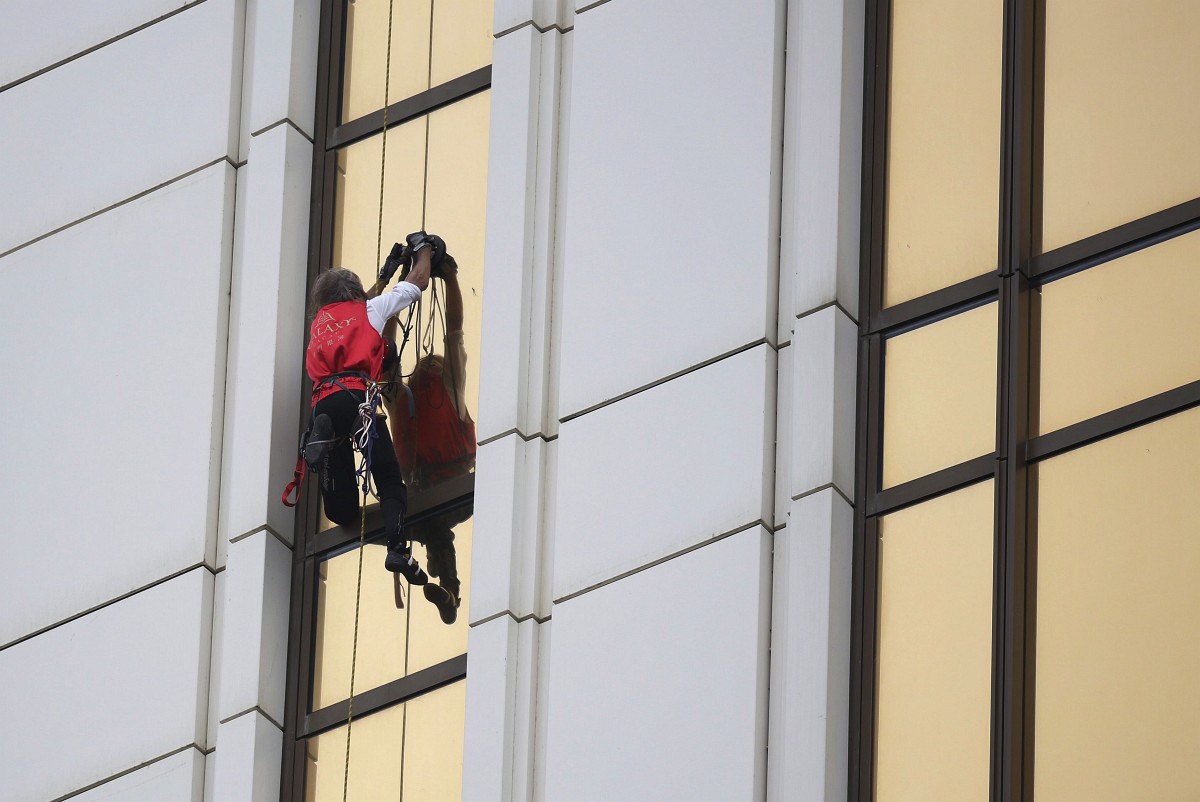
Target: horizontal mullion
[1116, 242]
[1119, 420]
[447, 494]
[410, 108]
[394, 692]
[931, 485]
[925, 309]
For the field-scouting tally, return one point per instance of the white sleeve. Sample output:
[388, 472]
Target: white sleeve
[402, 296]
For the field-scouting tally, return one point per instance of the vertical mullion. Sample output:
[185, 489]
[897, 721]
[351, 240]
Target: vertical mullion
[1013, 404]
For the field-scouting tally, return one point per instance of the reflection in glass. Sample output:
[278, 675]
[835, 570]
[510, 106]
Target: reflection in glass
[939, 395]
[411, 752]
[1118, 611]
[366, 54]
[1123, 330]
[935, 634]
[462, 38]
[943, 163]
[392, 642]
[1120, 113]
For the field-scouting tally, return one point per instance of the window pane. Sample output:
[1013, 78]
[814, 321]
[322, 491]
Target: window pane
[935, 635]
[411, 752]
[1120, 113]
[392, 643]
[462, 38]
[1118, 612]
[939, 395]
[366, 54]
[1123, 330]
[943, 163]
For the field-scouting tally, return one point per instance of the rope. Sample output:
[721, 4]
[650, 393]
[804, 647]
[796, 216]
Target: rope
[362, 530]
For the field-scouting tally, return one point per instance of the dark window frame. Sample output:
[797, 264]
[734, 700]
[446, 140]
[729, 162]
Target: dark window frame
[1020, 272]
[312, 545]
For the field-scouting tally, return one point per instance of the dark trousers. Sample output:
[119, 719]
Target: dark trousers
[340, 493]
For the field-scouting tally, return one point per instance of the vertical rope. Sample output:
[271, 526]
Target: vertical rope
[362, 530]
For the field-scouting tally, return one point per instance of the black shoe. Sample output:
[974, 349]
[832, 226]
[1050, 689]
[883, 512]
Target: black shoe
[444, 600]
[400, 561]
[320, 442]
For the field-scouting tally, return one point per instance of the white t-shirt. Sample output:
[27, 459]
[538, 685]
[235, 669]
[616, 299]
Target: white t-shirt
[380, 308]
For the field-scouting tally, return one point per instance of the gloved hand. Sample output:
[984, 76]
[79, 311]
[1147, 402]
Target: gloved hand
[395, 258]
[416, 241]
[447, 267]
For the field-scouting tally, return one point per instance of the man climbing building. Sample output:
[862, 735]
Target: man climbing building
[346, 355]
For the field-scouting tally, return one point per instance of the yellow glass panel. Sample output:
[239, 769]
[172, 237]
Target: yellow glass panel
[939, 395]
[462, 38]
[935, 634]
[392, 643]
[365, 65]
[1118, 612]
[943, 182]
[1120, 113]
[411, 752]
[1119, 332]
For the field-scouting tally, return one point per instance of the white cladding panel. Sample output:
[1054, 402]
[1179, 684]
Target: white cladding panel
[108, 691]
[37, 35]
[664, 470]
[119, 121]
[178, 778]
[672, 196]
[119, 401]
[658, 681]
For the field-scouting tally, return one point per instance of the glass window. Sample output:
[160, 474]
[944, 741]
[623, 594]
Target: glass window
[943, 161]
[1118, 612]
[939, 395]
[366, 35]
[1121, 78]
[392, 642]
[935, 633]
[411, 752]
[462, 38]
[1124, 330]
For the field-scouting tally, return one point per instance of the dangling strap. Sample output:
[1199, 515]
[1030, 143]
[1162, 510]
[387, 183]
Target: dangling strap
[297, 480]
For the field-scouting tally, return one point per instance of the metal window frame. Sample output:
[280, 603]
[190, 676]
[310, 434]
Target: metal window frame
[1021, 270]
[300, 724]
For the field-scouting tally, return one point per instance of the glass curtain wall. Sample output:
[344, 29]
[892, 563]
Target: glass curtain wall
[1025, 607]
[376, 694]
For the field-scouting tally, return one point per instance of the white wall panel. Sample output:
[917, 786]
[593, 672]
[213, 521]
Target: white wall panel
[672, 203]
[178, 778]
[37, 35]
[810, 651]
[266, 335]
[120, 120]
[822, 158]
[658, 681]
[824, 355]
[108, 691]
[248, 757]
[491, 693]
[281, 62]
[665, 469]
[255, 626]
[118, 409]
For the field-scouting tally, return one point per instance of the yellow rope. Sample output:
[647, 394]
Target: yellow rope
[362, 530]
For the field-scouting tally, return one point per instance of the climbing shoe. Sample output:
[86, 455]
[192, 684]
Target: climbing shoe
[319, 443]
[444, 600]
[400, 561]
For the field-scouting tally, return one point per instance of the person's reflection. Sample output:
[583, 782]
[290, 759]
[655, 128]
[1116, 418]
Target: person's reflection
[434, 436]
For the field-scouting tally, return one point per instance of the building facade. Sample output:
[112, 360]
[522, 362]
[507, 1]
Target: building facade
[829, 365]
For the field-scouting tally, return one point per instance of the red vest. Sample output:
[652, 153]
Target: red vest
[342, 339]
[436, 444]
